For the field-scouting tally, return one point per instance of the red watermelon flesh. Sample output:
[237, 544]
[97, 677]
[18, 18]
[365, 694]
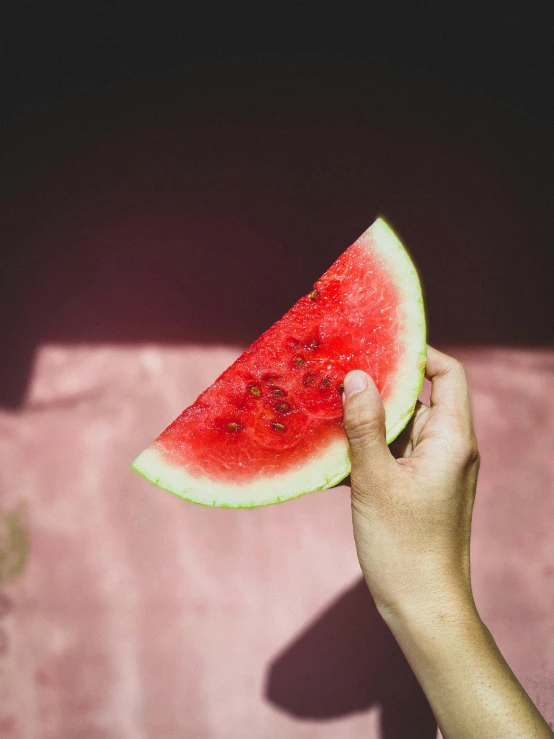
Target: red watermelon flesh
[261, 431]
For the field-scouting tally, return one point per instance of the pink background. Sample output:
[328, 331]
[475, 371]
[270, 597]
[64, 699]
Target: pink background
[146, 252]
[139, 615]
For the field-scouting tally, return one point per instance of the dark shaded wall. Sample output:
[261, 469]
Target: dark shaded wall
[184, 174]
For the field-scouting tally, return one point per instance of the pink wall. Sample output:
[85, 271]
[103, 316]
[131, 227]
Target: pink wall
[146, 246]
[138, 615]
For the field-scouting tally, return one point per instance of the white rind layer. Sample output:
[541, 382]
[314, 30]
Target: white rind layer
[408, 380]
[332, 464]
[330, 467]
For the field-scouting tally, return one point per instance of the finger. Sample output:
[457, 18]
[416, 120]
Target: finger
[449, 391]
[364, 423]
[403, 445]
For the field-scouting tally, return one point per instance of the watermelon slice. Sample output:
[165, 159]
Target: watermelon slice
[270, 427]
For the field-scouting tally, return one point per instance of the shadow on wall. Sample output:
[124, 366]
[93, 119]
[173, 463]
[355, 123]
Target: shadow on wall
[199, 207]
[348, 661]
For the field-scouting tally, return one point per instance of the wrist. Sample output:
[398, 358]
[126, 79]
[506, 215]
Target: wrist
[431, 636]
[429, 613]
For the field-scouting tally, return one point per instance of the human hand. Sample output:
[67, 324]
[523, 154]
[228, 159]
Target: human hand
[412, 524]
[412, 515]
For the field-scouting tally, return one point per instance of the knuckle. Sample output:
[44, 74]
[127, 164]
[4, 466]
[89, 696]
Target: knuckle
[451, 365]
[457, 365]
[457, 368]
[467, 452]
[361, 429]
[474, 456]
[461, 447]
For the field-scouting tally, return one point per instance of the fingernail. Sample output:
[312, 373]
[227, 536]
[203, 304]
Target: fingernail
[354, 382]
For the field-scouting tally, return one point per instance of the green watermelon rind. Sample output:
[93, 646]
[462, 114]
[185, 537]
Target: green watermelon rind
[333, 465]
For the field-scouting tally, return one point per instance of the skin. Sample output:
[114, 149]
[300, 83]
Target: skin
[411, 508]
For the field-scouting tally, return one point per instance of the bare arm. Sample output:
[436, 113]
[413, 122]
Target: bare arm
[412, 525]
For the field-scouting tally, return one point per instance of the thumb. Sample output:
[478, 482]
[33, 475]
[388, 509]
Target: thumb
[364, 423]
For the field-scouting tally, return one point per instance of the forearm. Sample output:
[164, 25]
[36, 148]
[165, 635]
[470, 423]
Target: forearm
[471, 689]
[412, 523]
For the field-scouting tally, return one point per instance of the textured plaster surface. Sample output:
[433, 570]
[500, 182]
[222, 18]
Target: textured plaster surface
[126, 613]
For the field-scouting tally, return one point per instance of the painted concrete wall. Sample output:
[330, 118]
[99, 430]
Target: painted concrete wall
[136, 615]
[151, 230]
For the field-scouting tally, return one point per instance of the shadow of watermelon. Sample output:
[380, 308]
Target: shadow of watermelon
[348, 661]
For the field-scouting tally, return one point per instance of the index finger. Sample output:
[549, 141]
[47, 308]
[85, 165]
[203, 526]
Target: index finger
[449, 390]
